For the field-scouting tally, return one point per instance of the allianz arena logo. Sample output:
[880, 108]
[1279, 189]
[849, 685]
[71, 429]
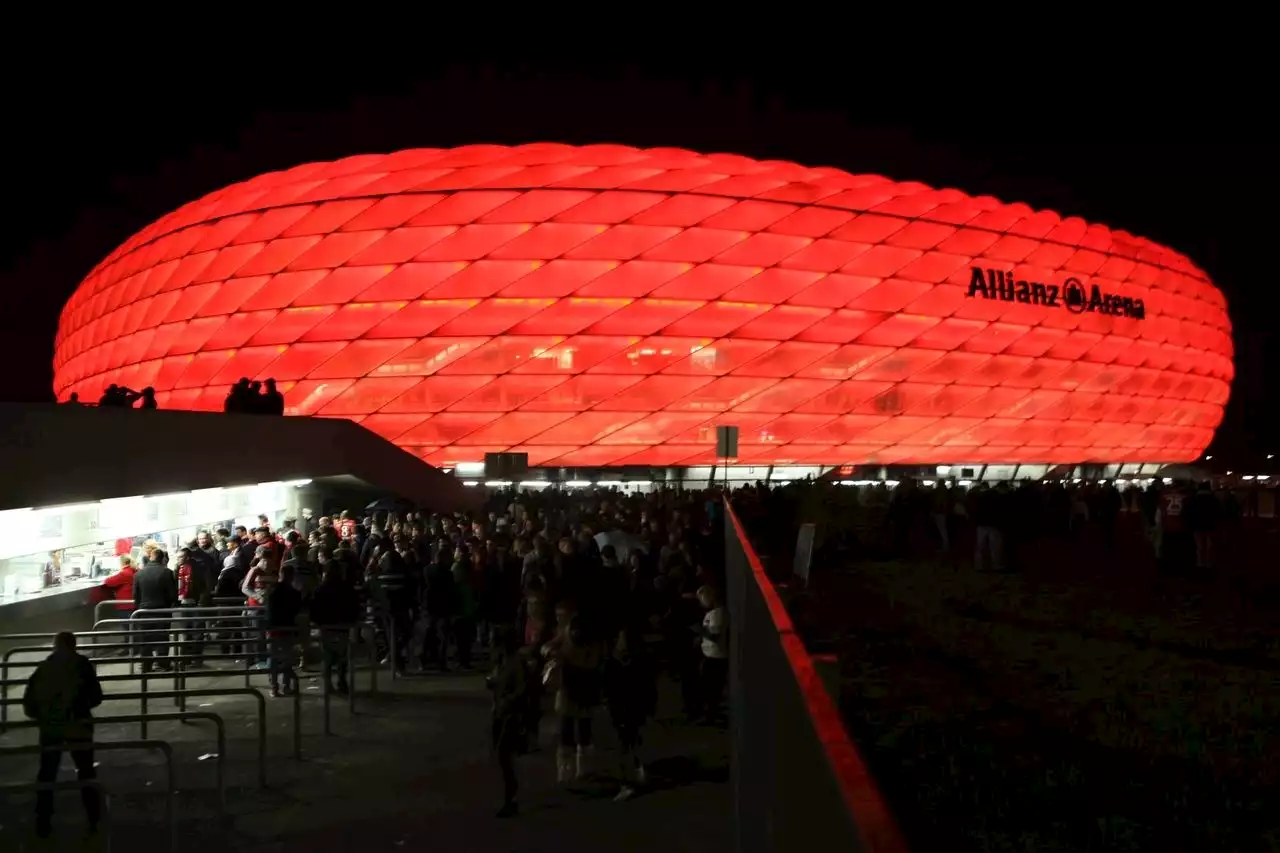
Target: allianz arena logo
[1072, 294]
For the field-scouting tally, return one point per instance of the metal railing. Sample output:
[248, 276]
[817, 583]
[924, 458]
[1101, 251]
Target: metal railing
[183, 716]
[160, 746]
[128, 604]
[181, 629]
[70, 785]
[249, 635]
[145, 717]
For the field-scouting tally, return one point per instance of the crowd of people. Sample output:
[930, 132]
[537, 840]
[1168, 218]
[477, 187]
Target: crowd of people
[120, 397]
[245, 398]
[582, 600]
[254, 398]
[995, 526]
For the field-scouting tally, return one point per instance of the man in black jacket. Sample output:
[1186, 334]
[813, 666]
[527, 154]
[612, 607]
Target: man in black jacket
[59, 696]
[284, 604]
[154, 588]
[334, 603]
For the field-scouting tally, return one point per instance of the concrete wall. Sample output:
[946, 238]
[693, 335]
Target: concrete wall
[68, 454]
[798, 783]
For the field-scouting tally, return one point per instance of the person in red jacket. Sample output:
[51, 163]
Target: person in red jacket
[119, 586]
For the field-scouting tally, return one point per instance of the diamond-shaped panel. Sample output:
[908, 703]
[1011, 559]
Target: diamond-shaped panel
[605, 304]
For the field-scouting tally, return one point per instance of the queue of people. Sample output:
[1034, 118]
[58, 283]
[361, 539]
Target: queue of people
[582, 599]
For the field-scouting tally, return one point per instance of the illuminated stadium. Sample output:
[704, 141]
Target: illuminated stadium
[608, 306]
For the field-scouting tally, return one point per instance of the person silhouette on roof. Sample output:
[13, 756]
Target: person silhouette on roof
[237, 397]
[147, 399]
[272, 400]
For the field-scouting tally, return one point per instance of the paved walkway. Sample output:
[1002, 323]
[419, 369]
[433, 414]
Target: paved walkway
[412, 770]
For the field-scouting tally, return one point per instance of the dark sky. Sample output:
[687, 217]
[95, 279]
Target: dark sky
[98, 163]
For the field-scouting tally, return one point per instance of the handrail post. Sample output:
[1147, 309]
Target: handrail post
[222, 756]
[170, 812]
[390, 622]
[142, 704]
[326, 677]
[351, 669]
[373, 659]
[297, 719]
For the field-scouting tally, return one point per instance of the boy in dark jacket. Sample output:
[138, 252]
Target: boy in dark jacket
[59, 696]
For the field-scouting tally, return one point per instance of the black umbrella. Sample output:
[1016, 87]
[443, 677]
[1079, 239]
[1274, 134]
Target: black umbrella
[389, 505]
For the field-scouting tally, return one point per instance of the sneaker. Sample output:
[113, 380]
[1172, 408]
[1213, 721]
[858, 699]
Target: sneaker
[275, 693]
[508, 810]
[625, 794]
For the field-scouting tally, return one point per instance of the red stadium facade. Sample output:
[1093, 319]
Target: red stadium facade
[605, 305]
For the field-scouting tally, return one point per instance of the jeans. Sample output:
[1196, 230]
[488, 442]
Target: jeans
[85, 771]
[280, 660]
[988, 539]
[336, 650]
[254, 619]
[192, 638]
[464, 635]
[435, 641]
[575, 730]
[157, 653]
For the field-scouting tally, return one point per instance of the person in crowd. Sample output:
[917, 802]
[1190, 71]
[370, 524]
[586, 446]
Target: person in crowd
[230, 579]
[248, 398]
[577, 659]
[631, 696]
[119, 585]
[283, 606]
[272, 399]
[60, 696]
[1203, 515]
[259, 580]
[334, 604]
[154, 588]
[463, 623]
[715, 653]
[195, 590]
[509, 682]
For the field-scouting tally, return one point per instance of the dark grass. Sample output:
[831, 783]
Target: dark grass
[1081, 702]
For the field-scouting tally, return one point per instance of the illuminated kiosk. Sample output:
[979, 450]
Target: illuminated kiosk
[83, 486]
[608, 306]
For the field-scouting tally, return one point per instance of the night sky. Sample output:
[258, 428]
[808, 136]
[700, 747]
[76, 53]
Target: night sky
[103, 160]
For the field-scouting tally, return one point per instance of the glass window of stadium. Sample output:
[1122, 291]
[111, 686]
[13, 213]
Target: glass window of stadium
[45, 550]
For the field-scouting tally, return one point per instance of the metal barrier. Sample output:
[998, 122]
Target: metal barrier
[798, 782]
[76, 785]
[118, 603]
[180, 673]
[183, 716]
[158, 745]
[208, 691]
